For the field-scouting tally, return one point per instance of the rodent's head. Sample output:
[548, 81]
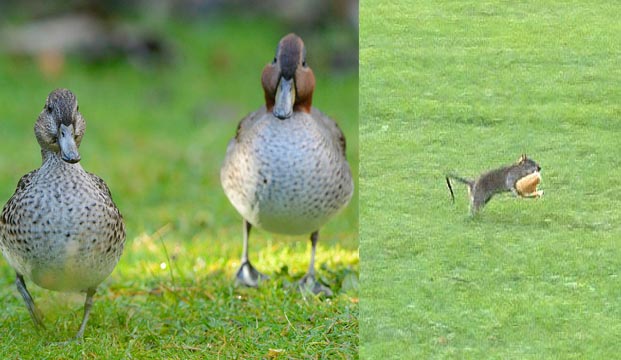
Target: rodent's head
[527, 166]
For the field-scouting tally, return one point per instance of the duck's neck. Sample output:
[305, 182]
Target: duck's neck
[304, 106]
[52, 158]
[47, 155]
[299, 106]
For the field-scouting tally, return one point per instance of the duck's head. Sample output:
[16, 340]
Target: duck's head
[60, 126]
[287, 81]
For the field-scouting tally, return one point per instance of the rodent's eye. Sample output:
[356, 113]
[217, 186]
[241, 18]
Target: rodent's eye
[50, 108]
[274, 61]
[77, 108]
[304, 63]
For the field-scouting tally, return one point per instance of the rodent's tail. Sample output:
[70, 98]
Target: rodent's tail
[469, 183]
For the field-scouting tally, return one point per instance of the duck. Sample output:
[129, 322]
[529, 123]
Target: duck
[285, 171]
[61, 229]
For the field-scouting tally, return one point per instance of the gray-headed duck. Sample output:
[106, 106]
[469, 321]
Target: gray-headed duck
[61, 228]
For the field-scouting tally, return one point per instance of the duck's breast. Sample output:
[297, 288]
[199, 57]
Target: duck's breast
[65, 233]
[287, 176]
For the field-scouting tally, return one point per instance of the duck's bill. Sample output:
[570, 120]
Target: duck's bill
[285, 97]
[68, 148]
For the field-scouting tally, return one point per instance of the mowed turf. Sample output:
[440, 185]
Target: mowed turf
[469, 86]
[158, 135]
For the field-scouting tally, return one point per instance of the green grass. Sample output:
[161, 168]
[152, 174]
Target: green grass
[158, 136]
[468, 86]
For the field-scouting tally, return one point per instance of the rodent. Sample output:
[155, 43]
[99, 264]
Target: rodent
[496, 181]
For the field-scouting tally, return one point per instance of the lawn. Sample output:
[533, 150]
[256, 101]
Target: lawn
[468, 86]
[158, 135]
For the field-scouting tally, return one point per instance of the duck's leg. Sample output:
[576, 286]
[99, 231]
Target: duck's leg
[247, 275]
[35, 314]
[88, 304]
[308, 282]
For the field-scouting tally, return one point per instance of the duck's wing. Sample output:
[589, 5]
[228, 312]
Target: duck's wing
[119, 232]
[105, 190]
[101, 184]
[243, 126]
[247, 122]
[333, 128]
[22, 184]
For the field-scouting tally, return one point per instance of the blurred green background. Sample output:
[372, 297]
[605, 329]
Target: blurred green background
[162, 85]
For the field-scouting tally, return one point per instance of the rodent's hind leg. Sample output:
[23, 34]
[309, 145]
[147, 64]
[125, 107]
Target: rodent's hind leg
[475, 206]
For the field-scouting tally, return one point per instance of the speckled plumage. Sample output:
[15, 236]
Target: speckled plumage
[287, 176]
[286, 171]
[61, 228]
